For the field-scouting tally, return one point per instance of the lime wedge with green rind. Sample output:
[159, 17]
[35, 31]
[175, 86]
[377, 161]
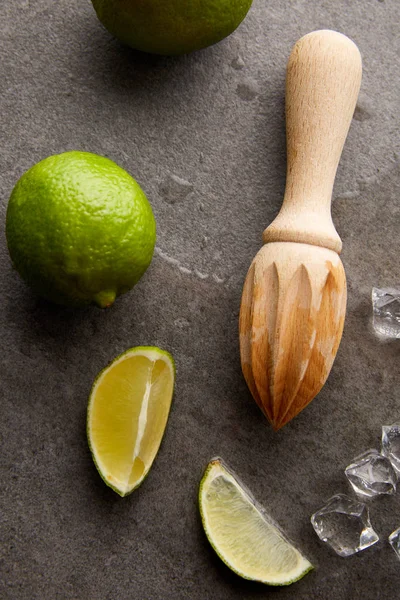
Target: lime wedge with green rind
[127, 414]
[242, 534]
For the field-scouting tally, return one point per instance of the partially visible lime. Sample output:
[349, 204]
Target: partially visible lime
[242, 534]
[127, 414]
[171, 27]
[79, 229]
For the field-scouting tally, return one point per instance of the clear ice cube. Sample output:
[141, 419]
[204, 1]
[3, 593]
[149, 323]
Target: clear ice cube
[394, 541]
[343, 523]
[391, 444]
[371, 474]
[386, 312]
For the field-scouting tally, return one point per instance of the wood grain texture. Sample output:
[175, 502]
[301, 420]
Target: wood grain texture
[322, 84]
[291, 322]
[294, 298]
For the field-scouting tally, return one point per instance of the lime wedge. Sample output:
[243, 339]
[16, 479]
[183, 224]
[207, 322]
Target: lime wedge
[242, 534]
[127, 414]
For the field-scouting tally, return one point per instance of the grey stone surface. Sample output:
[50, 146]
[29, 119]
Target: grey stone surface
[210, 126]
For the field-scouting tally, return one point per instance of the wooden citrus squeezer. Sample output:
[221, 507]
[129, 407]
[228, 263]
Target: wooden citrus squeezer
[294, 298]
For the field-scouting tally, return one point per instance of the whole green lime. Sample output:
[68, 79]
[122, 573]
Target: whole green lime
[79, 229]
[171, 26]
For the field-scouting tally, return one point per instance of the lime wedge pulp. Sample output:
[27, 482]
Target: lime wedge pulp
[127, 415]
[242, 534]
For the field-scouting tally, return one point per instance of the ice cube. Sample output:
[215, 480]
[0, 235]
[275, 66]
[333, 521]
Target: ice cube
[343, 523]
[391, 444]
[371, 474]
[386, 312]
[394, 541]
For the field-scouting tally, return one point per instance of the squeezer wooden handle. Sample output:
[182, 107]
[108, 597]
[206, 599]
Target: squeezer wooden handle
[322, 85]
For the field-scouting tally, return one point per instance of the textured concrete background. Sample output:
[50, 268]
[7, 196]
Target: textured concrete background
[204, 135]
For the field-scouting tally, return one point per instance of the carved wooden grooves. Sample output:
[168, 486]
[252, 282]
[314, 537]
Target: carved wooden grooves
[291, 323]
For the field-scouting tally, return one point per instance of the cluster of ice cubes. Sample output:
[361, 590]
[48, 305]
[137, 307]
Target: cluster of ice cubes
[343, 522]
[386, 312]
